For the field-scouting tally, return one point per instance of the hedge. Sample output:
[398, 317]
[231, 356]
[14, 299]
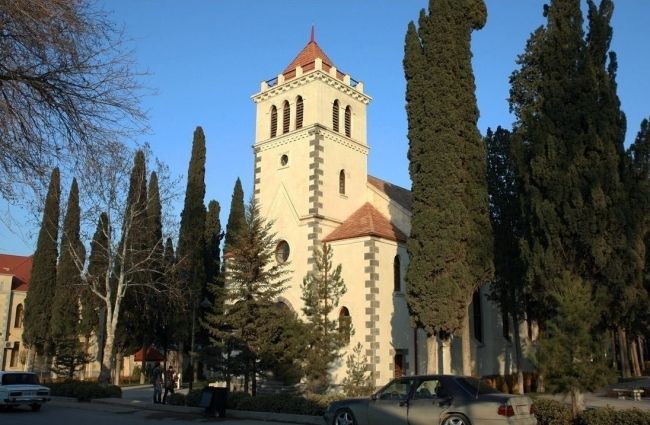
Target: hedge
[84, 390]
[552, 412]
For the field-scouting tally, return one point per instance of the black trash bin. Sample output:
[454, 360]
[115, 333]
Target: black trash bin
[213, 399]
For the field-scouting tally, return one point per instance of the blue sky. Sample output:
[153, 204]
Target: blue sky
[206, 59]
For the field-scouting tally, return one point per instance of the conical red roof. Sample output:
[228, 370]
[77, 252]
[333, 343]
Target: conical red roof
[307, 56]
[366, 221]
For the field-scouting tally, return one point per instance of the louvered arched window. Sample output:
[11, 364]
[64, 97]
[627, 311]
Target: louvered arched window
[286, 112]
[348, 121]
[18, 319]
[397, 277]
[335, 116]
[345, 324]
[299, 112]
[342, 182]
[274, 121]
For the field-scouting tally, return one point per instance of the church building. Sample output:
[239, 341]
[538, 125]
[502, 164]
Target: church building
[311, 178]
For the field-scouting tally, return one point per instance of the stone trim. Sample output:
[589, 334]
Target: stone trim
[315, 233]
[372, 307]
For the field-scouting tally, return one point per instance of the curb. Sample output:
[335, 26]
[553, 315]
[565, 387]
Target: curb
[236, 414]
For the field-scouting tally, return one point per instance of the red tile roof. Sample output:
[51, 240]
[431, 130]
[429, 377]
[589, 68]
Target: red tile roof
[153, 355]
[307, 56]
[395, 193]
[366, 221]
[19, 267]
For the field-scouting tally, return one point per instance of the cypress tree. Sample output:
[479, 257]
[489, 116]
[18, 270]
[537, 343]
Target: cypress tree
[65, 305]
[236, 217]
[38, 302]
[450, 246]
[191, 240]
[213, 236]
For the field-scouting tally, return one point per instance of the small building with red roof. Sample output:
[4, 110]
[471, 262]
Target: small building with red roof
[15, 271]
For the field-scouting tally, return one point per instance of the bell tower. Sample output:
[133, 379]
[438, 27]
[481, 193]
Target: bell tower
[311, 154]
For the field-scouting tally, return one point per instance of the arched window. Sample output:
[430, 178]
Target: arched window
[18, 319]
[342, 182]
[478, 316]
[299, 112]
[348, 121]
[286, 110]
[397, 277]
[335, 116]
[398, 365]
[345, 323]
[274, 121]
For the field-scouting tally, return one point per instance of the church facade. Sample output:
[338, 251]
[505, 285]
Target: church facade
[311, 160]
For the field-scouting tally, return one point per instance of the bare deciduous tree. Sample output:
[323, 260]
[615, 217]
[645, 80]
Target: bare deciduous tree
[67, 86]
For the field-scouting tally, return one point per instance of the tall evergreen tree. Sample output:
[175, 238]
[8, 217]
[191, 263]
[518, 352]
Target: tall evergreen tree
[38, 303]
[508, 289]
[191, 240]
[65, 305]
[236, 217]
[322, 289]
[254, 281]
[450, 246]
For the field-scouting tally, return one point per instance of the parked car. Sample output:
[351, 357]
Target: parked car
[22, 388]
[434, 400]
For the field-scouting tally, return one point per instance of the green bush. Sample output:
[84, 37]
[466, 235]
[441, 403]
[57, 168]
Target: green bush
[193, 398]
[234, 398]
[551, 412]
[176, 399]
[282, 403]
[84, 390]
[607, 416]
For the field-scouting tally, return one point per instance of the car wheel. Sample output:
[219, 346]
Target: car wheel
[35, 407]
[455, 419]
[344, 417]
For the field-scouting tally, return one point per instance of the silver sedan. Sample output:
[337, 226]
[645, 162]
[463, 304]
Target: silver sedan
[433, 400]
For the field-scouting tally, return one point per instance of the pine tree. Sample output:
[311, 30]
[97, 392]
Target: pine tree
[450, 246]
[236, 217]
[65, 305]
[570, 357]
[38, 303]
[358, 382]
[322, 289]
[254, 280]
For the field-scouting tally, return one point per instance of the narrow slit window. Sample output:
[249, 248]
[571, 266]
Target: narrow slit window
[274, 121]
[397, 277]
[299, 112]
[18, 319]
[348, 121]
[478, 316]
[335, 116]
[342, 182]
[345, 324]
[286, 110]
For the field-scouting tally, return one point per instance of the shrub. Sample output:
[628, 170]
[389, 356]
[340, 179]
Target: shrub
[282, 403]
[551, 412]
[176, 399]
[193, 398]
[84, 390]
[234, 398]
[607, 416]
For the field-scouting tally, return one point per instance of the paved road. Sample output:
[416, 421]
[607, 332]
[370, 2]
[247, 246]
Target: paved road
[66, 413]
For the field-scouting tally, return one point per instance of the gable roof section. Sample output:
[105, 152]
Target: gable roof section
[366, 221]
[395, 193]
[19, 267]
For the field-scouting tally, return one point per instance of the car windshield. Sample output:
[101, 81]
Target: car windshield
[19, 379]
[476, 386]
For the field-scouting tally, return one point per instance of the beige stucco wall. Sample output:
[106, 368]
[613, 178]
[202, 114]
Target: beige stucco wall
[9, 333]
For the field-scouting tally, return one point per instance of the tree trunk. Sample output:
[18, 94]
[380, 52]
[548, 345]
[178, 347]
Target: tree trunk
[432, 354]
[108, 357]
[118, 369]
[518, 356]
[634, 357]
[446, 355]
[466, 347]
[577, 402]
[29, 363]
[625, 357]
[641, 345]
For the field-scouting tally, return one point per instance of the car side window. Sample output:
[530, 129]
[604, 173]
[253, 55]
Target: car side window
[426, 390]
[397, 390]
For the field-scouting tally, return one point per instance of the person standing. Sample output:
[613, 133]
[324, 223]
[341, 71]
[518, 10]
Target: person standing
[157, 381]
[170, 377]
